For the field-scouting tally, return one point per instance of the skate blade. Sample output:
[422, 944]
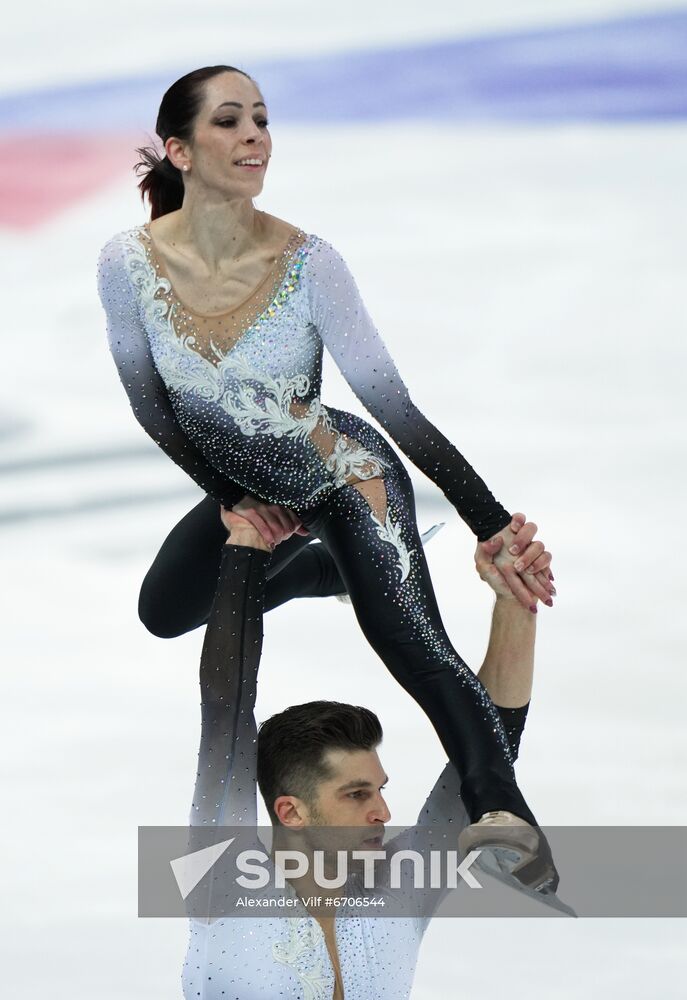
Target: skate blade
[431, 532]
[498, 862]
[532, 872]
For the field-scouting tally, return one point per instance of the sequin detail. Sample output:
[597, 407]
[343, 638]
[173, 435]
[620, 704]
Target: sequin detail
[254, 443]
[301, 951]
[315, 306]
[258, 403]
[346, 460]
[391, 532]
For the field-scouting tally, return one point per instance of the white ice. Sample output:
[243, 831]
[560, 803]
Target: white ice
[530, 285]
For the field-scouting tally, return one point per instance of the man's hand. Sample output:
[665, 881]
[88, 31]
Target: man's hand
[513, 546]
[484, 564]
[274, 522]
[242, 532]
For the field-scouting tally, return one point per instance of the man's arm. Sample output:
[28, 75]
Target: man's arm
[509, 661]
[226, 783]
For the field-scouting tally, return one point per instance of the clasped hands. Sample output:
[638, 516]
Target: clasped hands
[513, 564]
[510, 561]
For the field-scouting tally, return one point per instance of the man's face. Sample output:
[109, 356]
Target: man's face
[352, 796]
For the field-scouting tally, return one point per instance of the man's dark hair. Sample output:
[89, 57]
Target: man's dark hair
[292, 746]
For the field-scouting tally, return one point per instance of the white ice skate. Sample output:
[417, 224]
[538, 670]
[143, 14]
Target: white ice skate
[514, 848]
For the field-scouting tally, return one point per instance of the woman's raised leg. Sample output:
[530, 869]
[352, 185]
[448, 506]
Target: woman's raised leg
[369, 528]
[177, 591]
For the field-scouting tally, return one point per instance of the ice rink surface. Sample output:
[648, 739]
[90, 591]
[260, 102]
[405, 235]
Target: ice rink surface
[528, 277]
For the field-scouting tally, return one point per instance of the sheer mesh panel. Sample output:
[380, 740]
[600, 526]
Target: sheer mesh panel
[216, 335]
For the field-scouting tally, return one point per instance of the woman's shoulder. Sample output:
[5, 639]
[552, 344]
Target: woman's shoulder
[323, 259]
[281, 231]
[277, 230]
[124, 237]
[118, 267]
[122, 254]
[117, 253]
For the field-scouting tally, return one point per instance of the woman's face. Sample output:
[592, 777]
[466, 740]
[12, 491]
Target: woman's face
[231, 126]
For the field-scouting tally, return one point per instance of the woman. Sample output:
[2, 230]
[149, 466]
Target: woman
[217, 319]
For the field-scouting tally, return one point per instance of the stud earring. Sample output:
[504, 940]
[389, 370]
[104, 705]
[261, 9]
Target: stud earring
[185, 167]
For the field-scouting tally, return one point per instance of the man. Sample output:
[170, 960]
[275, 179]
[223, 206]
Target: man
[318, 768]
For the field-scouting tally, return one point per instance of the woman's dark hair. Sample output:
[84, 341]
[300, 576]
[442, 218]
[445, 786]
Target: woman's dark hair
[292, 746]
[161, 182]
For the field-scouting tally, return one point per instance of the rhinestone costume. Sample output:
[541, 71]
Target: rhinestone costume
[234, 399]
[261, 958]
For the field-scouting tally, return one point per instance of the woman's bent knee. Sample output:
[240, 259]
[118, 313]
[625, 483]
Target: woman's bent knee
[156, 621]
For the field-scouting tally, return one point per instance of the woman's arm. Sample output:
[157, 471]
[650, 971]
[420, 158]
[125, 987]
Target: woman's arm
[351, 338]
[345, 327]
[144, 386]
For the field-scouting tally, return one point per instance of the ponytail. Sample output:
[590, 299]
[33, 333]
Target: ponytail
[160, 182]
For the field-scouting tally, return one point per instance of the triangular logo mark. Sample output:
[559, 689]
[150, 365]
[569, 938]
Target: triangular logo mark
[189, 869]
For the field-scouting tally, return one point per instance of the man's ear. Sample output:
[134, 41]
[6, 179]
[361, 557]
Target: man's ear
[291, 811]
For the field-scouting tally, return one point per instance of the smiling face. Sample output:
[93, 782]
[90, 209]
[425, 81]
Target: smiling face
[231, 126]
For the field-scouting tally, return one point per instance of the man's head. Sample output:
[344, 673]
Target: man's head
[318, 766]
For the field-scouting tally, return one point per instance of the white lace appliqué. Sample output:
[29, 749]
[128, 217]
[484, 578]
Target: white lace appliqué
[301, 951]
[346, 460]
[258, 403]
[391, 533]
[264, 406]
[229, 381]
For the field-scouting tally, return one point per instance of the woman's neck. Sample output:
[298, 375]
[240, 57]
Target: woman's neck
[215, 232]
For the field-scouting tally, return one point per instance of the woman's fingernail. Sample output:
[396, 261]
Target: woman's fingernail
[514, 550]
[550, 576]
[518, 566]
[554, 591]
[533, 608]
[549, 602]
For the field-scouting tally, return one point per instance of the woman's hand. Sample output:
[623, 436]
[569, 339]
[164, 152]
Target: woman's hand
[532, 579]
[274, 522]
